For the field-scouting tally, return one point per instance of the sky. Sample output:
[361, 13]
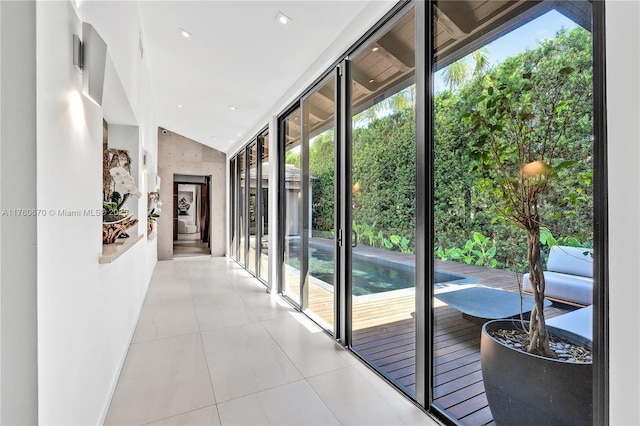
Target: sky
[525, 37]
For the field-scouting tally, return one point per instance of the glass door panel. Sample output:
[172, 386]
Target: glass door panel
[263, 217]
[292, 207]
[480, 254]
[252, 206]
[319, 137]
[383, 199]
[241, 207]
[233, 209]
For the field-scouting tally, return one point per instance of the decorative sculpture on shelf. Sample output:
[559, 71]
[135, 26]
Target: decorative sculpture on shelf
[118, 186]
[153, 210]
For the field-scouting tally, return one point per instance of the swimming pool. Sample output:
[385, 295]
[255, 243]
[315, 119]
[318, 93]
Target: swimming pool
[370, 274]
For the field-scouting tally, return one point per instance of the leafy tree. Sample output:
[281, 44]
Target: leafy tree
[456, 74]
[461, 207]
[459, 72]
[519, 124]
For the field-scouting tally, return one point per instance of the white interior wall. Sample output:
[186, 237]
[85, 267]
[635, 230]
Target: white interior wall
[623, 126]
[18, 372]
[87, 312]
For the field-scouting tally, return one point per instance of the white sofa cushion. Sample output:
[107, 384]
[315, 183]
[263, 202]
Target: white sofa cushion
[571, 260]
[186, 226]
[579, 322]
[572, 288]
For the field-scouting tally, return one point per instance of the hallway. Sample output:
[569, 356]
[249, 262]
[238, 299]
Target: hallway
[212, 348]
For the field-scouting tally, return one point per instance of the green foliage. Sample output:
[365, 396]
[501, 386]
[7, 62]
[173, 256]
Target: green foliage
[480, 251]
[383, 174]
[464, 194]
[367, 235]
[463, 199]
[402, 243]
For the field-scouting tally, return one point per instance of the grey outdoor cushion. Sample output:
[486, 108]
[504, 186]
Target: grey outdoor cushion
[579, 321]
[572, 288]
[568, 276]
[571, 260]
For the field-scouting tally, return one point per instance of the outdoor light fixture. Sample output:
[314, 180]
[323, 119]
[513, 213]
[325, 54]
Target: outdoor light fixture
[282, 18]
[184, 33]
[90, 56]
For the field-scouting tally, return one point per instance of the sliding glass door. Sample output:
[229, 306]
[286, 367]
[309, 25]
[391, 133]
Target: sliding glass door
[319, 139]
[263, 204]
[233, 211]
[392, 230]
[294, 265]
[249, 206]
[242, 215]
[252, 208]
[383, 201]
[513, 151]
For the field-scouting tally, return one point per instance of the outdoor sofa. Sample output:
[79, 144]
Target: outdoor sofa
[569, 276]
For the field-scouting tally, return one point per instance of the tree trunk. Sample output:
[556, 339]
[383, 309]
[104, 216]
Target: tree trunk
[539, 339]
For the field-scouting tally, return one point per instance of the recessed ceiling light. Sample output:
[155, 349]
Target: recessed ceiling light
[282, 18]
[371, 81]
[184, 33]
[375, 49]
[232, 108]
[180, 106]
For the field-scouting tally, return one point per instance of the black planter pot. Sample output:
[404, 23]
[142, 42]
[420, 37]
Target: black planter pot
[527, 389]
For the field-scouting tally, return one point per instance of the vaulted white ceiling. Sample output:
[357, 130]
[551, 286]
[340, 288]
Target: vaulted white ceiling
[239, 55]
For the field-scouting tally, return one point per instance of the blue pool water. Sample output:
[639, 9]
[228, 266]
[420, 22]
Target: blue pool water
[370, 275]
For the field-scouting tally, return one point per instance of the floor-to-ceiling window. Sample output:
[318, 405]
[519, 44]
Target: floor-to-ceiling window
[263, 202]
[383, 201]
[242, 214]
[292, 207]
[387, 226]
[233, 209]
[509, 95]
[252, 206]
[249, 186]
[319, 133]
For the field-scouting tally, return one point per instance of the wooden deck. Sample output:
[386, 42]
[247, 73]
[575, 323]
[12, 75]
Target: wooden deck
[384, 334]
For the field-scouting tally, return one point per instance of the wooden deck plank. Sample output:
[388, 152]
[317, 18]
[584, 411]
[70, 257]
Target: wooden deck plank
[461, 395]
[384, 334]
[454, 385]
[479, 418]
[469, 406]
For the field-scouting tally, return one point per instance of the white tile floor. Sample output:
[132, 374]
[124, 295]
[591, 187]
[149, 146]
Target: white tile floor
[212, 348]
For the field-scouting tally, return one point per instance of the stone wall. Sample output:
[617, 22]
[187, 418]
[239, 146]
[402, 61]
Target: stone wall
[180, 155]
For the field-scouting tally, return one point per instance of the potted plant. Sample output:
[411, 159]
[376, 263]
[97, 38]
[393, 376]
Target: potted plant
[517, 124]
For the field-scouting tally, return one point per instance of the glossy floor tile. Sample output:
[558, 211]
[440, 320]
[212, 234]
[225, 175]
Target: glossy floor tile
[248, 362]
[161, 378]
[213, 348]
[291, 404]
